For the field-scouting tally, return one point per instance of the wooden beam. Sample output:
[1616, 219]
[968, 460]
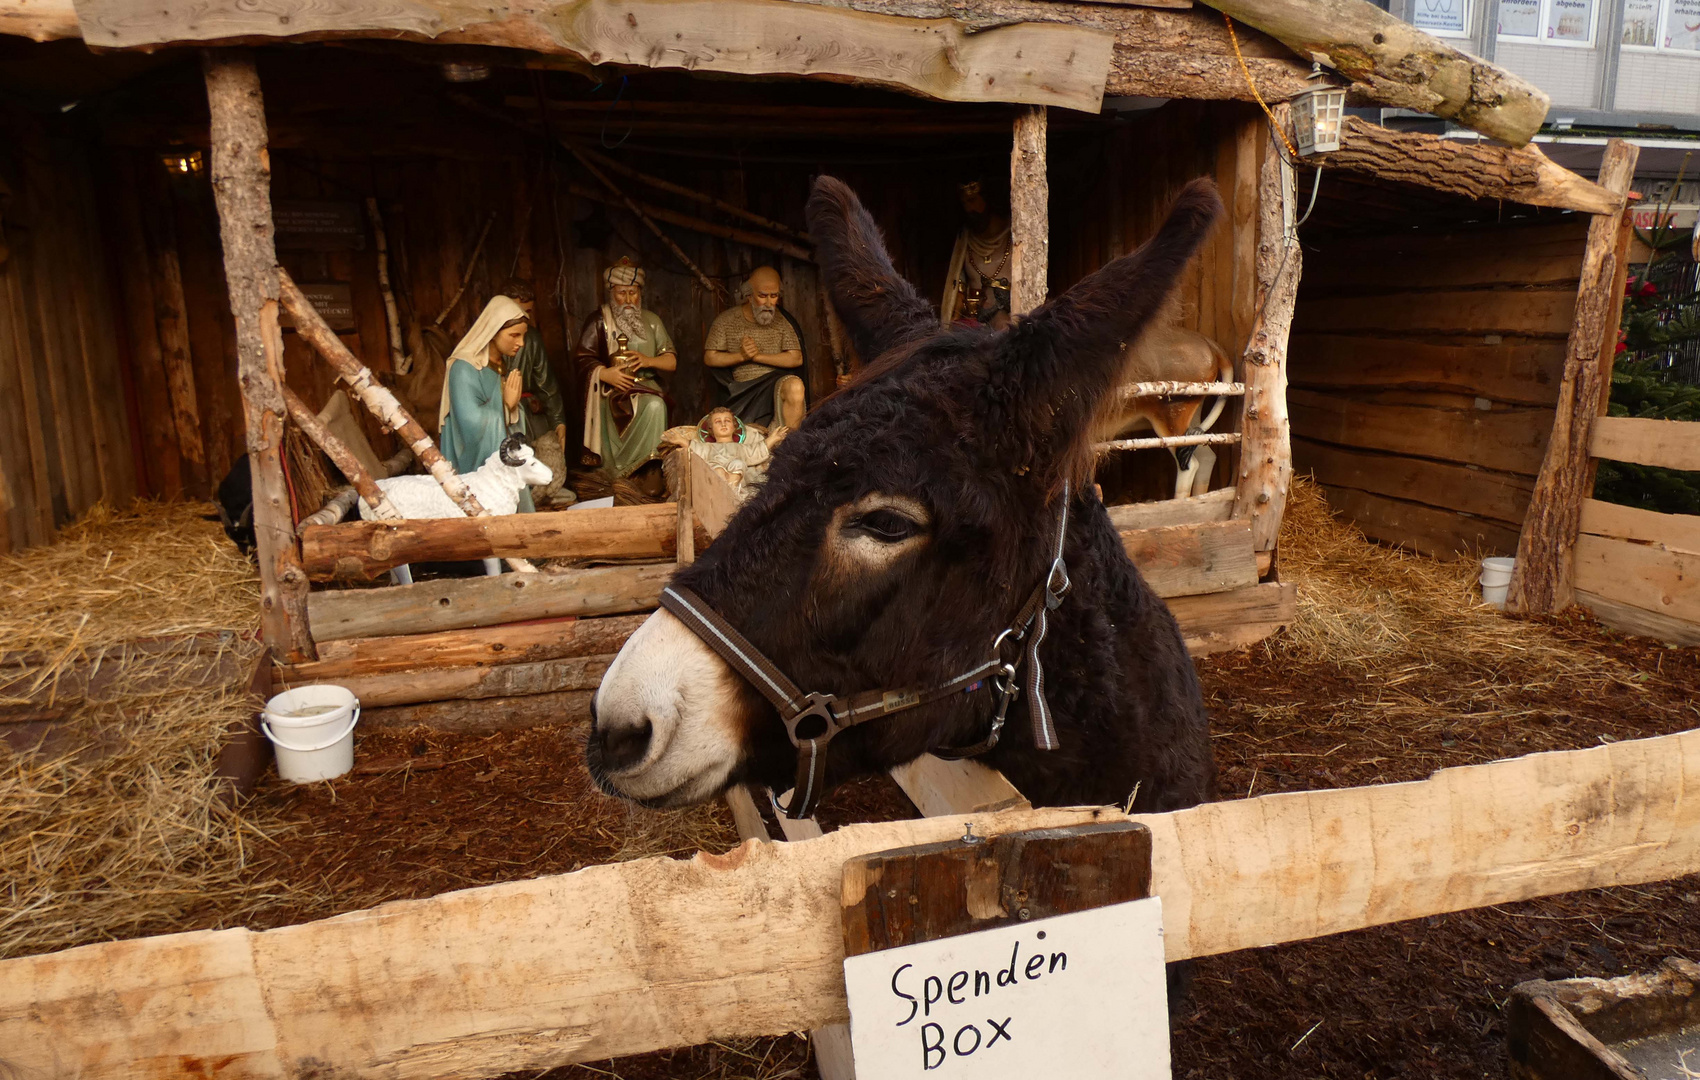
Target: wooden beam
[1399, 65]
[1217, 622]
[1509, 439]
[1475, 170]
[713, 500]
[1266, 455]
[1650, 578]
[361, 550]
[1029, 213]
[1048, 63]
[489, 601]
[241, 180]
[469, 683]
[1192, 510]
[1430, 530]
[1633, 619]
[517, 643]
[1522, 374]
[939, 787]
[694, 223]
[1479, 492]
[684, 518]
[1543, 580]
[1187, 560]
[1664, 444]
[637, 956]
[39, 20]
[1677, 532]
[481, 716]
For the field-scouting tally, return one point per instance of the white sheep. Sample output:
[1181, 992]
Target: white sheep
[497, 484]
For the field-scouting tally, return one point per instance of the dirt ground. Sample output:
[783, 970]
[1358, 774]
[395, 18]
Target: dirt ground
[430, 813]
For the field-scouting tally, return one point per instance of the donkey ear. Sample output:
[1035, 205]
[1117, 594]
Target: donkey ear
[1058, 364]
[879, 309]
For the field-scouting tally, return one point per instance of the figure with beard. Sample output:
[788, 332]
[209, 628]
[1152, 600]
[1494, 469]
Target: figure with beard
[976, 288]
[621, 350]
[754, 352]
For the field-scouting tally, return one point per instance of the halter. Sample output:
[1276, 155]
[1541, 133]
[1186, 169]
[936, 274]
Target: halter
[812, 719]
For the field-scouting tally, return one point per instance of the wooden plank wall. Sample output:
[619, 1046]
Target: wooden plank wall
[1425, 365]
[64, 428]
[1637, 569]
[1109, 196]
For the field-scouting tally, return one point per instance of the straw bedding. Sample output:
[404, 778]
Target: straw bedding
[137, 627]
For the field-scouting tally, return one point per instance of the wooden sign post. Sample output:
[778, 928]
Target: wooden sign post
[1030, 954]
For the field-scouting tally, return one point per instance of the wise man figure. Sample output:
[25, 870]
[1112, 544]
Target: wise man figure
[755, 353]
[976, 288]
[621, 351]
[543, 413]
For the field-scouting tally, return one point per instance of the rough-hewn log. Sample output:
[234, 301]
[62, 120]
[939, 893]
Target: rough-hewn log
[341, 457]
[469, 683]
[653, 953]
[1029, 213]
[1476, 170]
[491, 601]
[1047, 63]
[481, 716]
[1217, 622]
[359, 551]
[1543, 580]
[1266, 453]
[1400, 65]
[241, 180]
[517, 643]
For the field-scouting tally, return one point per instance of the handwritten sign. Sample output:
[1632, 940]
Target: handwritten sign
[1080, 995]
[318, 225]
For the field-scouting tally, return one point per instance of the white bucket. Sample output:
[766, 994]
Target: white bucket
[1496, 575]
[312, 731]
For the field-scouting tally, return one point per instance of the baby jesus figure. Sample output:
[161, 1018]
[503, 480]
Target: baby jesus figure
[738, 452]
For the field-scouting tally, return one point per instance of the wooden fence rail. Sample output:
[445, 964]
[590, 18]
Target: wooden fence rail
[636, 956]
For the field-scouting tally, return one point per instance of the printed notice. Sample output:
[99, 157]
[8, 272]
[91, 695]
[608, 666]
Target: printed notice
[1081, 996]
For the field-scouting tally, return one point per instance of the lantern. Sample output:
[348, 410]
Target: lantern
[1318, 114]
[182, 162]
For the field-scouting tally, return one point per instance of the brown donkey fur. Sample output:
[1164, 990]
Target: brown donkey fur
[910, 516]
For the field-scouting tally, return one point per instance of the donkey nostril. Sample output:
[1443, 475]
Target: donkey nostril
[624, 747]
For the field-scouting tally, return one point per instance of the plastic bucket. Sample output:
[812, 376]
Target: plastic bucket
[1496, 575]
[312, 731]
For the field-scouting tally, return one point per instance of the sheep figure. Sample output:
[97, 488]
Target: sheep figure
[496, 483]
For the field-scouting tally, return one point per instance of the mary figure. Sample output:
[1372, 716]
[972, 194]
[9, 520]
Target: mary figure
[481, 394]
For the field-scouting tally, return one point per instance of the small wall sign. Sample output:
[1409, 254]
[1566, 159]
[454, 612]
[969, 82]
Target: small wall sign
[1081, 995]
[334, 301]
[318, 225]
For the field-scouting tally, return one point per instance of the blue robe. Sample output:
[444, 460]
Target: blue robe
[477, 424]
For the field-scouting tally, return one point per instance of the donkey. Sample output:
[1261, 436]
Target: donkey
[900, 531]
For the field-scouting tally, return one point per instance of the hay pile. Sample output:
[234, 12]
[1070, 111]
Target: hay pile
[1361, 604]
[113, 829]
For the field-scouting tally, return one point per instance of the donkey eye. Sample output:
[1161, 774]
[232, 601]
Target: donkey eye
[886, 526]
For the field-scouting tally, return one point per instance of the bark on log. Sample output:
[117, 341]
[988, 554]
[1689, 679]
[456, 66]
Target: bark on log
[469, 683]
[399, 361]
[1400, 65]
[524, 643]
[1029, 213]
[1474, 170]
[1266, 453]
[313, 330]
[241, 180]
[340, 456]
[1543, 580]
[490, 601]
[483, 716]
[342, 500]
[358, 551]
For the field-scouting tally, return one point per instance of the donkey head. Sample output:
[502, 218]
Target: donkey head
[901, 526]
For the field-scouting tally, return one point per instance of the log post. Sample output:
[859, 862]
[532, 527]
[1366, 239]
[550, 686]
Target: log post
[1029, 213]
[340, 455]
[241, 182]
[317, 333]
[1543, 580]
[1266, 453]
[685, 546]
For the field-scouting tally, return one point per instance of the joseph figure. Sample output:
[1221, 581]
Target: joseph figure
[543, 413]
[622, 348]
[754, 352]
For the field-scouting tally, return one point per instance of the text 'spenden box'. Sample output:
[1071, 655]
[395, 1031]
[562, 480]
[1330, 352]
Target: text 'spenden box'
[1079, 995]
